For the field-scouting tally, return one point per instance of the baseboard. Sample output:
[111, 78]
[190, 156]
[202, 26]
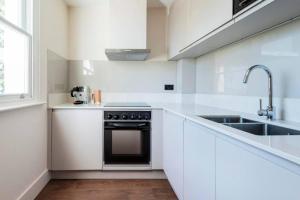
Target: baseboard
[36, 187]
[108, 175]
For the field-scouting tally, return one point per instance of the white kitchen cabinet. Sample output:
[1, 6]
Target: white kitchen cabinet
[173, 151]
[204, 16]
[157, 140]
[190, 20]
[210, 24]
[199, 162]
[242, 174]
[177, 27]
[77, 139]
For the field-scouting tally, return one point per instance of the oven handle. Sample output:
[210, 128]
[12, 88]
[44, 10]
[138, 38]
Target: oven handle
[125, 125]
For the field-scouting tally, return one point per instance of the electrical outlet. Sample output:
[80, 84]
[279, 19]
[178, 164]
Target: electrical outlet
[169, 87]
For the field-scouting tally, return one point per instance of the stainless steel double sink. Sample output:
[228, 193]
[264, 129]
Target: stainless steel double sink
[252, 127]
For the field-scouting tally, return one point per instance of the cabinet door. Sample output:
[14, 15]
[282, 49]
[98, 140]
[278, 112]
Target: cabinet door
[199, 162]
[204, 16]
[177, 27]
[241, 174]
[77, 140]
[157, 139]
[173, 151]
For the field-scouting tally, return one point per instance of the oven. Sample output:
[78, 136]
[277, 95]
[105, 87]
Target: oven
[239, 5]
[127, 137]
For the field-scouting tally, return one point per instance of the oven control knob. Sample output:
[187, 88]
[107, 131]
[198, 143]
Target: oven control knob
[132, 116]
[116, 116]
[147, 117]
[109, 116]
[124, 116]
[140, 117]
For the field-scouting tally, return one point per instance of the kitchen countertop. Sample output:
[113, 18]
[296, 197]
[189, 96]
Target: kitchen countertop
[101, 106]
[287, 147]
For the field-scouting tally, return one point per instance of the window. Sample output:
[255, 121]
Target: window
[15, 50]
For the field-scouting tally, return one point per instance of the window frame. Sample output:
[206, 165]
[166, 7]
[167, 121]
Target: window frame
[26, 30]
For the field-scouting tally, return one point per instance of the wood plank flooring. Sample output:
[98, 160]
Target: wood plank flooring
[107, 190]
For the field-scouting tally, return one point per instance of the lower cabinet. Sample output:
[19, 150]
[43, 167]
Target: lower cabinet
[242, 174]
[203, 164]
[157, 140]
[199, 162]
[77, 139]
[173, 151]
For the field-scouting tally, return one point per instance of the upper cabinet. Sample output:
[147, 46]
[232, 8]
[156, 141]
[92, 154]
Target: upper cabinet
[197, 27]
[190, 20]
[177, 27]
[204, 16]
[127, 24]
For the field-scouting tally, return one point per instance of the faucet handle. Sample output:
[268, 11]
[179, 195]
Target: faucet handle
[260, 104]
[261, 112]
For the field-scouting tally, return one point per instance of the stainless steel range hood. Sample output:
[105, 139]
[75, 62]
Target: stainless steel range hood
[127, 54]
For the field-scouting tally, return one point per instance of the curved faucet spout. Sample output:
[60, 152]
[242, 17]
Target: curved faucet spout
[266, 69]
[270, 85]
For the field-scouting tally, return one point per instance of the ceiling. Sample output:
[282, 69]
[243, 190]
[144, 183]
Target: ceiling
[151, 3]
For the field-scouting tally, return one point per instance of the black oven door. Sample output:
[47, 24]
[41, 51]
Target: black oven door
[127, 142]
[239, 5]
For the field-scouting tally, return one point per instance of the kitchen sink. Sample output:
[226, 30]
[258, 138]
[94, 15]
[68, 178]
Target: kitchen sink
[228, 119]
[264, 129]
[252, 127]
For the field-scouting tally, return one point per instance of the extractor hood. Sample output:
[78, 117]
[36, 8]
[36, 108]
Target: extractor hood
[127, 54]
[127, 31]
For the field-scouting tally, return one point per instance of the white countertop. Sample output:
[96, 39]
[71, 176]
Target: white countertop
[101, 106]
[287, 147]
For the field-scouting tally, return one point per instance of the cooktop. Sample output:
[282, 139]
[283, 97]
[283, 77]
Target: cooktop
[126, 104]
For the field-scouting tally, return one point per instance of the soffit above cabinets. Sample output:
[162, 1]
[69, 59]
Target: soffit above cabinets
[150, 3]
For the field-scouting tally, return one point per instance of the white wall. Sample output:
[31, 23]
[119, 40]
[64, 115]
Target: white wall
[54, 26]
[23, 149]
[220, 73]
[23, 135]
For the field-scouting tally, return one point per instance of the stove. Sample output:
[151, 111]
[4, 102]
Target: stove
[127, 136]
[128, 105]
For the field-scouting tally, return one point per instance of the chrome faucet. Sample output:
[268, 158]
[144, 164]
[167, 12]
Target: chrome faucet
[270, 111]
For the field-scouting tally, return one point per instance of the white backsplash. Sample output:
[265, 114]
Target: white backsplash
[220, 73]
[61, 98]
[57, 72]
[123, 77]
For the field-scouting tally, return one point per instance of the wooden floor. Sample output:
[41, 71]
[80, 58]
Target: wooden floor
[107, 190]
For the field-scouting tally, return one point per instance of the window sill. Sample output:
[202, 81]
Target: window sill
[15, 106]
